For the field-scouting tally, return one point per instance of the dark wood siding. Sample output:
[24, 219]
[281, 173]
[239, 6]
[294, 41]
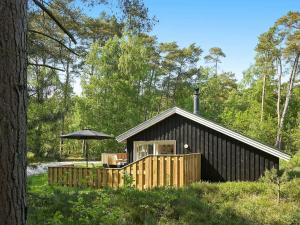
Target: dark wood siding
[223, 158]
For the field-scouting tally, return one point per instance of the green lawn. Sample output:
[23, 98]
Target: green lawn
[201, 203]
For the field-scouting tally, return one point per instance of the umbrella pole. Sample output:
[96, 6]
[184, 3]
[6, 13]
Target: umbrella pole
[82, 147]
[60, 147]
[86, 154]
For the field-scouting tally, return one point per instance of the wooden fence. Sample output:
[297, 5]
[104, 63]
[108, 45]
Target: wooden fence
[148, 172]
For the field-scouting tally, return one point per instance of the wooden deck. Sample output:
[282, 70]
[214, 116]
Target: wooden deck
[113, 158]
[151, 171]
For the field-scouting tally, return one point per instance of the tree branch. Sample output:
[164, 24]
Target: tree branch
[44, 65]
[50, 14]
[54, 39]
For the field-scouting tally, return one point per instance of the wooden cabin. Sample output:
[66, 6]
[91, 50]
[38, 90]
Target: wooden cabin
[225, 154]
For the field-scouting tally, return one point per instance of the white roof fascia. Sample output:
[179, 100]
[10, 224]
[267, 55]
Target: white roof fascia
[202, 121]
[146, 124]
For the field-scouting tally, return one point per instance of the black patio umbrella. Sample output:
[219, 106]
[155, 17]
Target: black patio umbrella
[87, 134]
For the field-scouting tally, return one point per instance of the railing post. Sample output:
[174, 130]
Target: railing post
[181, 171]
[147, 173]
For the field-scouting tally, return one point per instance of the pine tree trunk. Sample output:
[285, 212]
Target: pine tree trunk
[279, 92]
[13, 105]
[168, 90]
[65, 106]
[290, 89]
[263, 98]
[40, 100]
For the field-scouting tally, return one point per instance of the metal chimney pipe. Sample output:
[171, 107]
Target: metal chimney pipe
[196, 101]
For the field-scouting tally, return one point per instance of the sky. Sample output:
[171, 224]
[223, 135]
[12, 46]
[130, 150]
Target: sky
[231, 25]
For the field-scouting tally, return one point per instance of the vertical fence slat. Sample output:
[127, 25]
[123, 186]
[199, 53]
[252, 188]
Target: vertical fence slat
[60, 175]
[189, 163]
[162, 171]
[128, 172]
[84, 177]
[175, 171]
[141, 175]
[134, 174]
[121, 177]
[155, 171]
[75, 177]
[99, 177]
[70, 178]
[168, 170]
[147, 173]
[92, 177]
[110, 178]
[185, 165]
[65, 176]
[104, 178]
[151, 171]
[115, 178]
[182, 171]
[50, 176]
[79, 172]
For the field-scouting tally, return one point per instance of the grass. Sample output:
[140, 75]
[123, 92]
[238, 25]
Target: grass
[200, 203]
[38, 183]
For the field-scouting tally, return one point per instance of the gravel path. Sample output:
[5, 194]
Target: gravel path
[43, 167]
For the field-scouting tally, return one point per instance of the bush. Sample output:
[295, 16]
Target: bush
[30, 157]
[201, 203]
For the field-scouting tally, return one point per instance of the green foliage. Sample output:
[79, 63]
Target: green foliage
[273, 178]
[30, 157]
[53, 109]
[217, 90]
[241, 113]
[134, 78]
[128, 180]
[201, 203]
[293, 166]
[128, 77]
[214, 56]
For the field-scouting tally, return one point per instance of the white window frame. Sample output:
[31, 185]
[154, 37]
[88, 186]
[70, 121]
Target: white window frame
[155, 143]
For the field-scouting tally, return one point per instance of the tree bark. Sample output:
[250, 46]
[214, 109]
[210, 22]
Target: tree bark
[40, 100]
[279, 91]
[263, 98]
[13, 105]
[290, 89]
[65, 105]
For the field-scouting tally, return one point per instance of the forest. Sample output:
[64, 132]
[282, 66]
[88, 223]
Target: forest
[127, 76]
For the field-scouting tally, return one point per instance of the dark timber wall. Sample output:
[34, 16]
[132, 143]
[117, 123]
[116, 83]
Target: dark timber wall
[223, 158]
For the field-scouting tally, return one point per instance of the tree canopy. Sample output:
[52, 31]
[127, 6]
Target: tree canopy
[127, 76]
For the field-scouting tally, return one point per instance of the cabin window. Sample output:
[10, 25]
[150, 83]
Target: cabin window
[144, 148]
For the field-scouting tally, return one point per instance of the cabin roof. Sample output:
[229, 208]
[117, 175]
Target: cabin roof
[175, 110]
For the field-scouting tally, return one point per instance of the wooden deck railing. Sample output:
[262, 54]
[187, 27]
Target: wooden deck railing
[148, 172]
